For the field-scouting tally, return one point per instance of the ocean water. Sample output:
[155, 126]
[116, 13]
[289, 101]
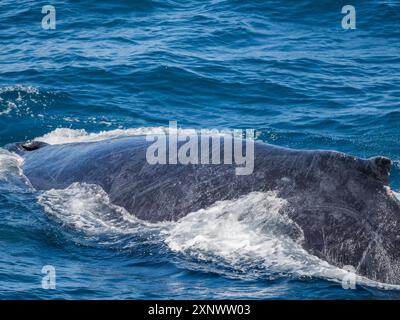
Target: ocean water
[111, 68]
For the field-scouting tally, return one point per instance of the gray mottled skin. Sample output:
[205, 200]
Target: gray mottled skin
[342, 203]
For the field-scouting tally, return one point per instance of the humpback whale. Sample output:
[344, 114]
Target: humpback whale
[343, 204]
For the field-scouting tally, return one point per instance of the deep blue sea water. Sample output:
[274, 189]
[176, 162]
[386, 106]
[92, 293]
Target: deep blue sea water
[285, 68]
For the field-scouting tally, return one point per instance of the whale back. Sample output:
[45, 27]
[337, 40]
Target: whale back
[343, 204]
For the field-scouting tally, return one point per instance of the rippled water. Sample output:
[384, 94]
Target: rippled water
[285, 68]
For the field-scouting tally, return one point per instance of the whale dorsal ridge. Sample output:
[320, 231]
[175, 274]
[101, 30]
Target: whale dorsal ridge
[380, 168]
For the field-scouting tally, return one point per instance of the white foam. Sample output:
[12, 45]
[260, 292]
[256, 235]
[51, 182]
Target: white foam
[10, 107]
[66, 135]
[87, 207]
[11, 169]
[10, 163]
[253, 230]
[19, 88]
[18, 104]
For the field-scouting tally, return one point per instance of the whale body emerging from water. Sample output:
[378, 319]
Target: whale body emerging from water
[347, 212]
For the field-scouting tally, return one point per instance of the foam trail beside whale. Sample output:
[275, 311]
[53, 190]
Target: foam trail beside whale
[66, 135]
[248, 234]
[11, 172]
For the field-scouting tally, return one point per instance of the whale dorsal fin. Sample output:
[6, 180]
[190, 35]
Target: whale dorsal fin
[380, 168]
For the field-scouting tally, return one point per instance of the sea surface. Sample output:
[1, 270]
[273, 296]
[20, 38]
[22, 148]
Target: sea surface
[113, 68]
